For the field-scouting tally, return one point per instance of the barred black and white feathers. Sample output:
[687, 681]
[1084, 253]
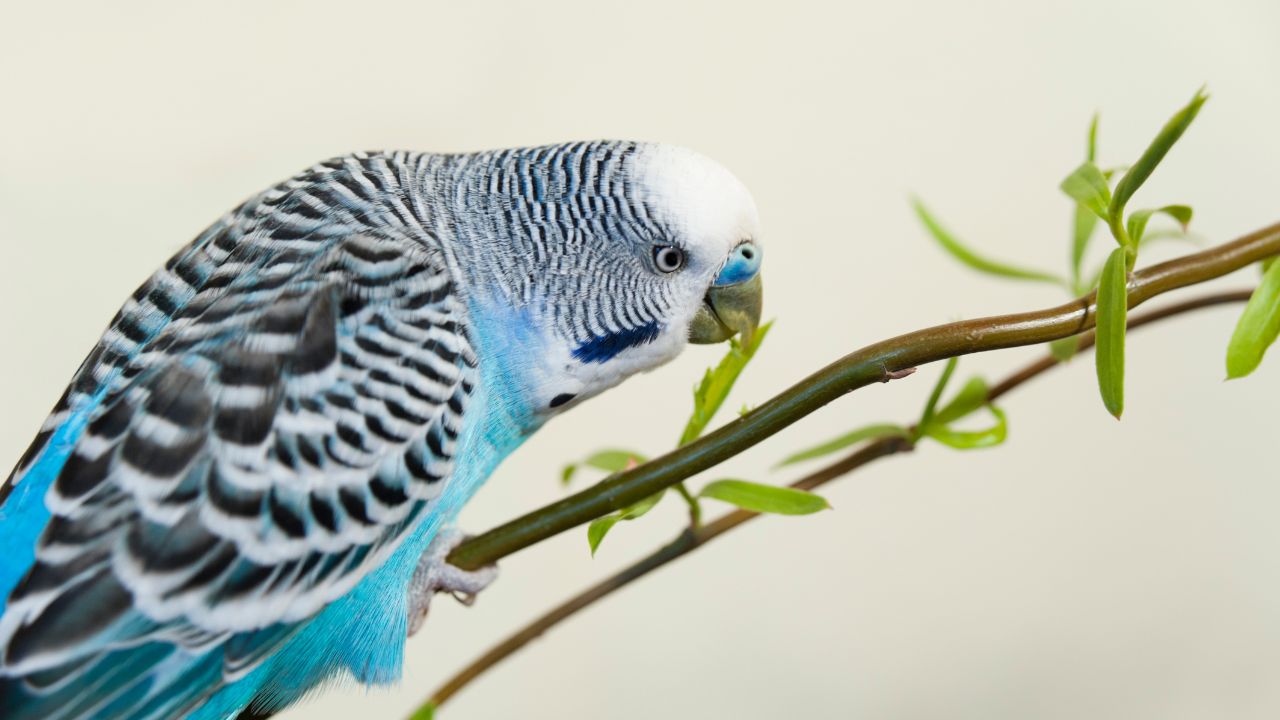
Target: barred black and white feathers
[265, 419]
[257, 456]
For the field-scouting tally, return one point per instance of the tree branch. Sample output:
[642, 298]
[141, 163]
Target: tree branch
[693, 538]
[874, 363]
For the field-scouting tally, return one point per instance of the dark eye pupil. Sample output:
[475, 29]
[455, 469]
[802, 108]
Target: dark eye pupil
[669, 259]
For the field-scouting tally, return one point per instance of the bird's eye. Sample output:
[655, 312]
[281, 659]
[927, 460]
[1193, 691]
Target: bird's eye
[668, 258]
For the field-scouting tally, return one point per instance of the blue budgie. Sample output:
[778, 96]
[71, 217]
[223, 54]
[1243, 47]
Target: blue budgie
[238, 496]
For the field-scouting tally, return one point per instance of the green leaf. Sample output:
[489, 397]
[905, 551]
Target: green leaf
[601, 526]
[1083, 225]
[936, 394]
[1155, 152]
[971, 397]
[716, 383]
[1091, 147]
[1084, 220]
[1088, 187]
[1063, 349]
[610, 461]
[614, 460]
[972, 439]
[1138, 219]
[1258, 326]
[957, 250]
[765, 498]
[848, 439]
[1113, 299]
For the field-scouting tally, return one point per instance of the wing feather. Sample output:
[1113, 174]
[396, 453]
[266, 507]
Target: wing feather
[274, 414]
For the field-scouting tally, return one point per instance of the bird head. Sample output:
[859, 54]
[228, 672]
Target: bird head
[613, 256]
[714, 238]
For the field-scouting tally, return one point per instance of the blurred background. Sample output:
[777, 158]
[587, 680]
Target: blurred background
[1087, 568]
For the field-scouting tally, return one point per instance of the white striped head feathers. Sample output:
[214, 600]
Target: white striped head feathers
[612, 250]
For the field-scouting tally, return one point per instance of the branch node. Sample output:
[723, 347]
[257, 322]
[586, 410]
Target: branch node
[897, 374]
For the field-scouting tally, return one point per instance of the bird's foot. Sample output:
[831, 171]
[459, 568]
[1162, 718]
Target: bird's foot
[436, 575]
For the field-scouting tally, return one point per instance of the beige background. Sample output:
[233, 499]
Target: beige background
[1086, 569]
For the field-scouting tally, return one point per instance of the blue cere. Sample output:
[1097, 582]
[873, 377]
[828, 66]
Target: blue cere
[743, 265]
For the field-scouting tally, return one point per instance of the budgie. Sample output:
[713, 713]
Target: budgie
[236, 498]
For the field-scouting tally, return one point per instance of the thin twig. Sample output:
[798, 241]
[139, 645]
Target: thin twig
[691, 539]
[870, 364]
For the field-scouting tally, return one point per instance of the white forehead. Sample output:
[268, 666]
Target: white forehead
[696, 196]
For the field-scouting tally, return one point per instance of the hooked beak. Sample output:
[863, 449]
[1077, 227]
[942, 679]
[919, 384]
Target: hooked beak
[726, 310]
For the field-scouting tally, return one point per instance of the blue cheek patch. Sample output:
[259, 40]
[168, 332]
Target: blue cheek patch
[605, 348]
[743, 265]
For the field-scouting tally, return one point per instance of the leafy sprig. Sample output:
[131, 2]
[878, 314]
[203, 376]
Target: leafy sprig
[1090, 188]
[708, 397]
[935, 423]
[1097, 202]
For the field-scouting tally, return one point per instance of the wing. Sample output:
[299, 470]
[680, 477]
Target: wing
[254, 453]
